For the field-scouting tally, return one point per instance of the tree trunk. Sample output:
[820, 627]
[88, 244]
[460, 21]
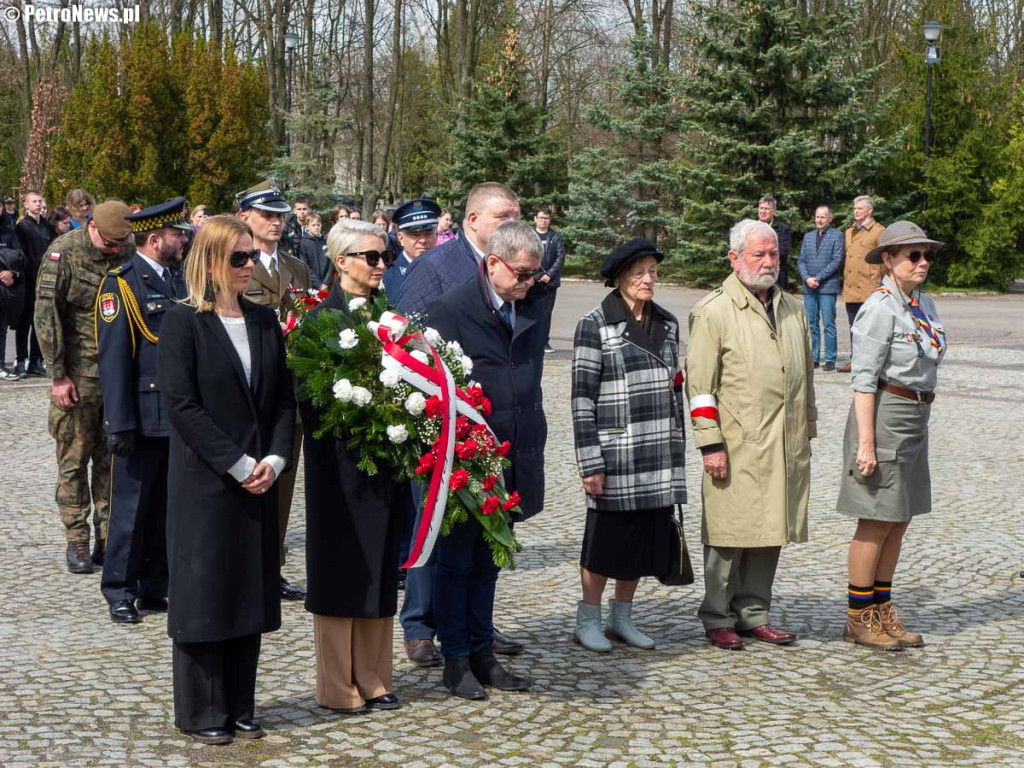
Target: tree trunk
[368, 191]
[216, 11]
[27, 63]
[396, 80]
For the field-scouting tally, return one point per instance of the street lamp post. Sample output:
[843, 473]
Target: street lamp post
[932, 56]
[291, 42]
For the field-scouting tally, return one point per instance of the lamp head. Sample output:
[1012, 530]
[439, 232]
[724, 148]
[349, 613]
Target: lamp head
[932, 30]
[291, 41]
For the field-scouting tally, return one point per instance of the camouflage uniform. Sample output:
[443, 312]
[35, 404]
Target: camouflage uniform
[69, 279]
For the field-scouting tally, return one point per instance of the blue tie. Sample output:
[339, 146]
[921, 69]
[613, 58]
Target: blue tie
[506, 314]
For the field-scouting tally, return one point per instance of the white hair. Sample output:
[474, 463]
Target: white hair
[347, 232]
[866, 199]
[743, 229]
[511, 237]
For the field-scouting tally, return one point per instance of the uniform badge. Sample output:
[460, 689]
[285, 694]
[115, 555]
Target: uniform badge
[109, 307]
[55, 256]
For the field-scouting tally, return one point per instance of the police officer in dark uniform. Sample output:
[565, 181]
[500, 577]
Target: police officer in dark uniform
[130, 307]
[416, 224]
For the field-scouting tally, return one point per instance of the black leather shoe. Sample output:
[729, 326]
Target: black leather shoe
[97, 551]
[248, 728]
[152, 604]
[37, 369]
[78, 557]
[360, 710]
[212, 735]
[291, 592]
[505, 646]
[123, 612]
[386, 701]
[488, 670]
[458, 678]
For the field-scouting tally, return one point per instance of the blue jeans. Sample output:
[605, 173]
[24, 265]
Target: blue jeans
[823, 305]
[464, 583]
[417, 614]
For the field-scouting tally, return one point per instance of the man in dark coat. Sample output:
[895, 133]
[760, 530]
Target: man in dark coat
[504, 337]
[551, 262]
[766, 209]
[35, 236]
[133, 300]
[416, 225]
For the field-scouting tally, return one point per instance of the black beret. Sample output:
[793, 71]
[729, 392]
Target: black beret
[624, 255]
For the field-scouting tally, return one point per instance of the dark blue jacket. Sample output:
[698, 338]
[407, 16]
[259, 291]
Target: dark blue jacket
[394, 278]
[435, 273]
[822, 262]
[127, 352]
[509, 366]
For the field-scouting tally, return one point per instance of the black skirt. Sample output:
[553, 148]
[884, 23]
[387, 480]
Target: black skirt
[628, 545]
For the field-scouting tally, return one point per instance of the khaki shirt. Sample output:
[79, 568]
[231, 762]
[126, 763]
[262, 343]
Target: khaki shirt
[69, 280]
[859, 277]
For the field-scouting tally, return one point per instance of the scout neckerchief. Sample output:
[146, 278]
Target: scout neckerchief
[921, 321]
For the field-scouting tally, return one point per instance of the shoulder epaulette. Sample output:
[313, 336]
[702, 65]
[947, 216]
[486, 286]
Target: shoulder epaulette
[120, 269]
[710, 297]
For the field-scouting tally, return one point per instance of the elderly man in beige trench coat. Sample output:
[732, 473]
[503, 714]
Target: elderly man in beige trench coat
[750, 385]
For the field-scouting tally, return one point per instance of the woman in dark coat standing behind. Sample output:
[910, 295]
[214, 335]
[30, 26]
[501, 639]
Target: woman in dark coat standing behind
[224, 379]
[354, 522]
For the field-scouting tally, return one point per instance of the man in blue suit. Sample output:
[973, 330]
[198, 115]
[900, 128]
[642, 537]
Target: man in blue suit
[821, 258]
[416, 225]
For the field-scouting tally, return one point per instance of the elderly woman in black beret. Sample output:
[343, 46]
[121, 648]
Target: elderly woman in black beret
[627, 409]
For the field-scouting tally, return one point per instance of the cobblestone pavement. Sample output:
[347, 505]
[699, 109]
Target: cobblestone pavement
[76, 690]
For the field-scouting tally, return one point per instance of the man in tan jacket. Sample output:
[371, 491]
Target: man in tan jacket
[750, 385]
[859, 277]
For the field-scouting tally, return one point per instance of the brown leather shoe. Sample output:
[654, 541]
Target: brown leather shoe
[844, 368]
[423, 653]
[893, 627]
[78, 557]
[724, 638]
[766, 633]
[864, 627]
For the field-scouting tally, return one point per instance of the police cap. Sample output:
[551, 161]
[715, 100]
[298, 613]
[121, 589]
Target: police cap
[111, 219]
[416, 215]
[263, 197]
[167, 214]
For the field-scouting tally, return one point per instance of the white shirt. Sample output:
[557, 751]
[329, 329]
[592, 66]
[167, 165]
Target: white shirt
[158, 268]
[476, 251]
[267, 258]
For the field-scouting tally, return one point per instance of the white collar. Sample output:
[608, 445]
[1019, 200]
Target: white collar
[267, 258]
[476, 251]
[158, 268]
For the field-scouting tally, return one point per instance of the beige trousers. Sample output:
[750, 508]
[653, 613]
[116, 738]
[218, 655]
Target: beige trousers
[353, 660]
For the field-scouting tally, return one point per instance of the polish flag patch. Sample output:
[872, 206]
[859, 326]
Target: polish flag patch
[704, 407]
[55, 256]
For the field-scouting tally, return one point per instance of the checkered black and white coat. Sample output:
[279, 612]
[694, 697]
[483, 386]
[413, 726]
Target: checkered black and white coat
[628, 409]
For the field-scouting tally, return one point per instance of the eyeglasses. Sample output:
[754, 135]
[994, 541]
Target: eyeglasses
[110, 243]
[915, 256]
[373, 258]
[522, 277]
[239, 259]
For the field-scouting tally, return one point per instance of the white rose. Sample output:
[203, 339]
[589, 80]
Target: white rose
[361, 396]
[432, 336]
[454, 347]
[357, 303]
[421, 356]
[467, 365]
[397, 433]
[343, 390]
[348, 338]
[415, 404]
[390, 378]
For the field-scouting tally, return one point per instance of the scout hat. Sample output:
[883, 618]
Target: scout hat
[111, 219]
[624, 255]
[167, 214]
[263, 197]
[416, 215]
[900, 233]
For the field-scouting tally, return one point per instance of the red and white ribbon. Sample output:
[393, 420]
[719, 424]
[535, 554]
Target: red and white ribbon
[704, 407]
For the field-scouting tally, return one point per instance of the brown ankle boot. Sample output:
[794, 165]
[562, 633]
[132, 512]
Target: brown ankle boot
[864, 627]
[893, 627]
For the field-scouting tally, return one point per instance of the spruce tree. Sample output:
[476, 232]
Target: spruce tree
[775, 103]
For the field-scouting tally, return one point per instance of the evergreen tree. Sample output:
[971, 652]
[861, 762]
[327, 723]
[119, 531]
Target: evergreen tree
[499, 136]
[775, 103]
[624, 190]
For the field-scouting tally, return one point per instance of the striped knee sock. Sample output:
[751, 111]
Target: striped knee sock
[883, 592]
[860, 597]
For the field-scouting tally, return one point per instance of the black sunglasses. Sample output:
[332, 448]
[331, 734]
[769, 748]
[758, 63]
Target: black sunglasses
[521, 277]
[239, 259]
[915, 256]
[373, 258]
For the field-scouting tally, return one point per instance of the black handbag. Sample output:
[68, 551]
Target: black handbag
[680, 571]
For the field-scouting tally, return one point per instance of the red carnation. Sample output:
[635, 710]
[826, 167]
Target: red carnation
[503, 449]
[490, 505]
[511, 502]
[459, 479]
[462, 428]
[475, 394]
[322, 294]
[309, 302]
[478, 431]
[426, 464]
[466, 450]
[435, 410]
[489, 482]
[485, 406]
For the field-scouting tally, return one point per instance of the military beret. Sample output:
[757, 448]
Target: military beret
[111, 219]
[415, 215]
[167, 214]
[264, 197]
[624, 255]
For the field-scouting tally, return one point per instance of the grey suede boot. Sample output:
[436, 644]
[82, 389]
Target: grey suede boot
[621, 627]
[588, 628]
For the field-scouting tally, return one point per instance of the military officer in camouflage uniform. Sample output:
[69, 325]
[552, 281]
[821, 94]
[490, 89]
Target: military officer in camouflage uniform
[132, 303]
[66, 292]
[276, 280]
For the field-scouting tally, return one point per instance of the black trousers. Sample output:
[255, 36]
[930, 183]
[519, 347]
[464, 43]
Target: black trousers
[852, 308]
[215, 683]
[549, 307]
[135, 562]
[26, 331]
